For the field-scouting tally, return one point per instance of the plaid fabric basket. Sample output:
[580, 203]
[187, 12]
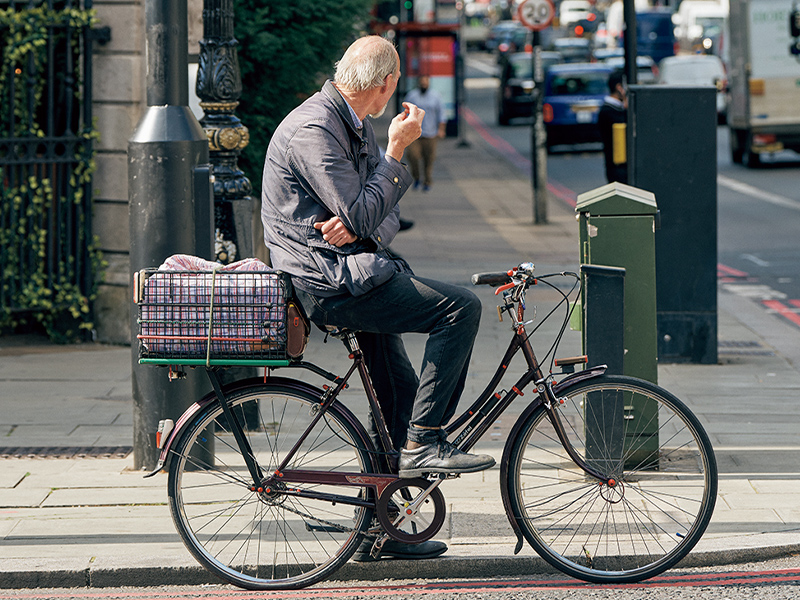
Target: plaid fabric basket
[192, 309]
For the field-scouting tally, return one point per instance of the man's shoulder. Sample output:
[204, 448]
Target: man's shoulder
[316, 111]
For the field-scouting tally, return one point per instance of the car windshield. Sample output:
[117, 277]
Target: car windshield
[578, 84]
[710, 25]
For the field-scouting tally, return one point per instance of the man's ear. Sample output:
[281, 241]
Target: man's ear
[386, 83]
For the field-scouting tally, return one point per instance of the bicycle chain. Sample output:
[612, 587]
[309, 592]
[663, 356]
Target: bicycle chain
[341, 528]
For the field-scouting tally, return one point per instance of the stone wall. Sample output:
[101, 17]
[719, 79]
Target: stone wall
[120, 99]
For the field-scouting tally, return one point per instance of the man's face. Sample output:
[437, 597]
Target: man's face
[424, 83]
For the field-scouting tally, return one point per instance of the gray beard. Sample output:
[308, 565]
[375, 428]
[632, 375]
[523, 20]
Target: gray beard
[380, 112]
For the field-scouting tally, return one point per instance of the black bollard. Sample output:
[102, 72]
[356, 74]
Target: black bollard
[170, 206]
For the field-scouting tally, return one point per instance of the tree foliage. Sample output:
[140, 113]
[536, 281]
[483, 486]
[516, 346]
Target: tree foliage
[286, 51]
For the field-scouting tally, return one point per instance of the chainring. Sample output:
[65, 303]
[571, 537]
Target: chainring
[402, 519]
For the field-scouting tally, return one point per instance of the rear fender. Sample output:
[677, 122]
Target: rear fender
[201, 404]
[515, 432]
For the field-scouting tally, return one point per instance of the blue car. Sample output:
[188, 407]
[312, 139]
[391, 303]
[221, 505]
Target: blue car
[573, 94]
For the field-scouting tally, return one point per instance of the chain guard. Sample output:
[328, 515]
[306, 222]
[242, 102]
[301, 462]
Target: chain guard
[398, 517]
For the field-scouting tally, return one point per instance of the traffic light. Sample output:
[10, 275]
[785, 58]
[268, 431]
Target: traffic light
[794, 21]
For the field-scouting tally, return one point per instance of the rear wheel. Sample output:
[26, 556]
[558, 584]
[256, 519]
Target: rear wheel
[273, 539]
[654, 505]
[750, 159]
[737, 146]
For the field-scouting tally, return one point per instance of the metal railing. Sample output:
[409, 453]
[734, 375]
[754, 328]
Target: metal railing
[46, 151]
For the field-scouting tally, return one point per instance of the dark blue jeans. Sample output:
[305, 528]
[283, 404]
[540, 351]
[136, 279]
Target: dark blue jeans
[414, 408]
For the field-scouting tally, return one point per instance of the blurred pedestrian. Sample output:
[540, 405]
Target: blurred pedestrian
[423, 149]
[614, 110]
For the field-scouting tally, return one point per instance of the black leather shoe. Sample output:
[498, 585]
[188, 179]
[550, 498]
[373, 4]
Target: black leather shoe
[393, 549]
[404, 225]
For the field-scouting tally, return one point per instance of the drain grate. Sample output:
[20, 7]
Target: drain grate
[743, 348]
[66, 452]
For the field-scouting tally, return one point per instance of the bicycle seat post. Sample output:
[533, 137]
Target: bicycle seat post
[351, 342]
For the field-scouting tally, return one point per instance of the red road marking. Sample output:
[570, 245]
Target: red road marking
[430, 589]
[783, 310]
[730, 271]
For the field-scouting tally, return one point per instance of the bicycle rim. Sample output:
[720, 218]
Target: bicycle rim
[665, 481]
[266, 540]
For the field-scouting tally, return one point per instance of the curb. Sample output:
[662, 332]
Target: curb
[456, 567]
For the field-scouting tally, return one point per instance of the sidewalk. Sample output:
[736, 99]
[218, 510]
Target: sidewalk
[93, 521]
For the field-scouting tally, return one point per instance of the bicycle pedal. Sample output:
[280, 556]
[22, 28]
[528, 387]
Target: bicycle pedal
[375, 551]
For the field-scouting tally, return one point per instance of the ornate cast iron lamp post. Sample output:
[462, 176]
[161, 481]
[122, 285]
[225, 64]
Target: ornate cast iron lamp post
[219, 87]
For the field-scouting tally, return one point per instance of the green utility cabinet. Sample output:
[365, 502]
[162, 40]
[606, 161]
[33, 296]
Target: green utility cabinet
[617, 229]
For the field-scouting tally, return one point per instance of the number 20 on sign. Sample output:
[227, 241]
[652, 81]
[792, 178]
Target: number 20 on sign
[536, 14]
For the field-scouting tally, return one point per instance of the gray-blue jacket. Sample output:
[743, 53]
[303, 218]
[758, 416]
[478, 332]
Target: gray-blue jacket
[319, 165]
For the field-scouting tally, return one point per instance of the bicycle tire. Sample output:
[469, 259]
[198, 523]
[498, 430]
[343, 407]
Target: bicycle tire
[269, 540]
[651, 519]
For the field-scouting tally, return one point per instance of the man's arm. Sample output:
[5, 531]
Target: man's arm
[324, 168]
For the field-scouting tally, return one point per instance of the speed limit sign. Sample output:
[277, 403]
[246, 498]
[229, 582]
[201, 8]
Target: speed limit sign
[536, 14]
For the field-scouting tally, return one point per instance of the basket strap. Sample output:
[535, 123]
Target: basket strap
[211, 314]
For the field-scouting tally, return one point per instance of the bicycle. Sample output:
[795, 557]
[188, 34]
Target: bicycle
[273, 482]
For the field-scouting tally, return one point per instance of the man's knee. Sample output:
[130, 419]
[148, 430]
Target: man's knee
[469, 306]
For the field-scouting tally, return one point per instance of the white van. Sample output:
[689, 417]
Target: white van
[697, 69]
[700, 26]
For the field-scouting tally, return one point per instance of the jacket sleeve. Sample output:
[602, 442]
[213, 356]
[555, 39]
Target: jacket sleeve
[320, 162]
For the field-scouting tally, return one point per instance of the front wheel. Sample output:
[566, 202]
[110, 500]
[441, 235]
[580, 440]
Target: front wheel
[275, 537]
[658, 495]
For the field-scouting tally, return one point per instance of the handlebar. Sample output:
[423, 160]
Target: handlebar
[492, 279]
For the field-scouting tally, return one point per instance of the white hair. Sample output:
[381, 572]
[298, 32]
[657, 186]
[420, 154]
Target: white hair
[366, 63]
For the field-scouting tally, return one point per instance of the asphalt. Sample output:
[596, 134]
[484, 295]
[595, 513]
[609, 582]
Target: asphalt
[74, 513]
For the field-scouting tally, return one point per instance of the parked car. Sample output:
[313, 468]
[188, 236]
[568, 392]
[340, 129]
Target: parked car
[514, 40]
[573, 94]
[498, 33]
[574, 49]
[572, 11]
[655, 35]
[515, 94]
[697, 69]
[646, 68]
[606, 53]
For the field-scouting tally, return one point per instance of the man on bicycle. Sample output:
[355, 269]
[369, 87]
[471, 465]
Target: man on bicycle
[330, 211]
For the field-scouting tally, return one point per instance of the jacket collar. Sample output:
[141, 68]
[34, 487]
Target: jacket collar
[341, 106]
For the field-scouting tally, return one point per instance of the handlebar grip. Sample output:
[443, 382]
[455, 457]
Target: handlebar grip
[490, 279]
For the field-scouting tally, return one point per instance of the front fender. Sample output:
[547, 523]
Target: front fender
[579, 376]
[198, 406]
[515, 432]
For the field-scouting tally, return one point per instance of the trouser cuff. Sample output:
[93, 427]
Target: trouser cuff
[425, 436]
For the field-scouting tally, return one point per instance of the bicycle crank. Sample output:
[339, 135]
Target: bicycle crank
[411, 510]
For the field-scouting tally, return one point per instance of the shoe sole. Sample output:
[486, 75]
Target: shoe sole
[409, 473]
